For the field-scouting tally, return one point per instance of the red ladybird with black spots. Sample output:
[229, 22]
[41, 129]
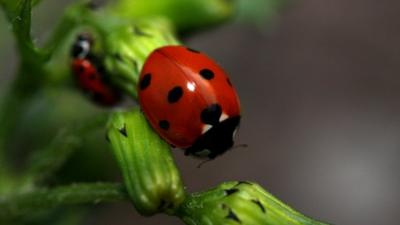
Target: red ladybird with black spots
[90, 74]
[189, 100]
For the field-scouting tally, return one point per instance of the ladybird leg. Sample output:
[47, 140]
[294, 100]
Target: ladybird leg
[192, 150]
[200, 152]
[187, 151]
[212, 155]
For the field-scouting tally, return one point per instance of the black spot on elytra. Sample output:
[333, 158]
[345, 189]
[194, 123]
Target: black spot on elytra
[123, 131]
[164, 124]
[257, 202]
[175, 94]
[92, 76]
[211, 114]
[231, 191]
[97, 97]
[207, 74]
[99, 66]
[232, 216]
[192, 50]
[81, 69]
[108, 138]
[145, 82]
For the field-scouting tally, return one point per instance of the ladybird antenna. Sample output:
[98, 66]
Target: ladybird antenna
[240, 146]
[203, 162]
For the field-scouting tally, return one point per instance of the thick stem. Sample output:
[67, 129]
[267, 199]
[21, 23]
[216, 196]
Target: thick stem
[28, 78]
[91, 193]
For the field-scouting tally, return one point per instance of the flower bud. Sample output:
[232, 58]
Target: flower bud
[127, 47]
[239, 203]
[185, 15]
[149, 172]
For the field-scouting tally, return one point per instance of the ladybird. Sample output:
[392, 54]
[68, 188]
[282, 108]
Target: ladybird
[189, 100]
[90, 74]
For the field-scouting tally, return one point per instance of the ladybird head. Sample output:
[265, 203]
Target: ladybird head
[217, 140]
[90, 73]
[82, 46]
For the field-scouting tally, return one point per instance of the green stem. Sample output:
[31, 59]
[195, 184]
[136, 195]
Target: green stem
[28, 78]
[11, 109]
[34, 201]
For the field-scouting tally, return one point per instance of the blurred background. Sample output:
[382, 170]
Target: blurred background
[320, 89]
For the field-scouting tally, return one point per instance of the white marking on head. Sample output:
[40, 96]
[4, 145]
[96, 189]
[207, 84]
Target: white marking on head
[223, 117]
[206, 127]
[85, 48]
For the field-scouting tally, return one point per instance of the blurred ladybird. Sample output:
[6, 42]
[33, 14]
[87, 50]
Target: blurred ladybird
[189, 100]
[90, 74]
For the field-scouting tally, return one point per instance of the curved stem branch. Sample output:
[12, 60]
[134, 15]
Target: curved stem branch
[34, 201]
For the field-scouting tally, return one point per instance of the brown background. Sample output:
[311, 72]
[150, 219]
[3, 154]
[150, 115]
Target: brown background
[321, 111]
